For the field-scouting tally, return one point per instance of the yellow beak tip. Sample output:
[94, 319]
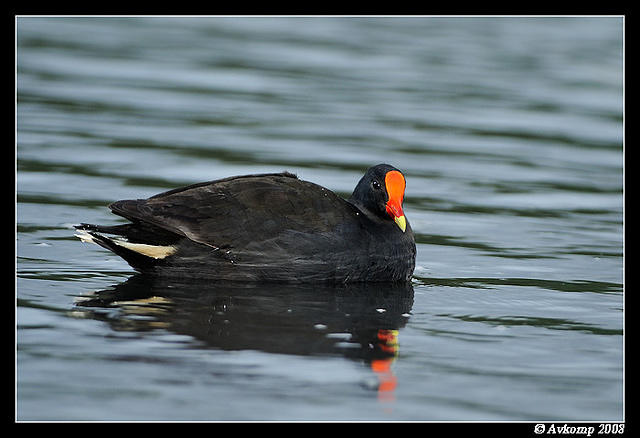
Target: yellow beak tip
[401, 222]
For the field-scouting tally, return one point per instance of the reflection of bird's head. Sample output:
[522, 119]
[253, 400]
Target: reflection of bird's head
[387, 343]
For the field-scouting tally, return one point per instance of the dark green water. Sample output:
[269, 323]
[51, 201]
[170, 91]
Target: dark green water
[509, 131]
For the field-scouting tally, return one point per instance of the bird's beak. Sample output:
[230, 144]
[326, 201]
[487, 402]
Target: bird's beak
[395, 185]
[401, 222]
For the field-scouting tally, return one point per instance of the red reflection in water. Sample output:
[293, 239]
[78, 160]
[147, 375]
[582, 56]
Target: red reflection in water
[388, 343]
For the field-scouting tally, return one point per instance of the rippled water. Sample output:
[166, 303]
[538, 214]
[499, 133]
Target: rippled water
[509, 131]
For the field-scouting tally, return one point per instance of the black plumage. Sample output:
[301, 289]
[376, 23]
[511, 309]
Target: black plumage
[267, 227]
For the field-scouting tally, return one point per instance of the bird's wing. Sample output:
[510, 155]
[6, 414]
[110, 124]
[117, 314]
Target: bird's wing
[239, 211]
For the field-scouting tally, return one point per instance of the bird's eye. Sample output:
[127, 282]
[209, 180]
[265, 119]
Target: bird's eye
[375, 185]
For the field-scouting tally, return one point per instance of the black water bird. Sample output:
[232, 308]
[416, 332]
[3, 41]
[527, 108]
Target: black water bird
[267, 227]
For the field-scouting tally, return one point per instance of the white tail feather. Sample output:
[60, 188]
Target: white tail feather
[154, 251]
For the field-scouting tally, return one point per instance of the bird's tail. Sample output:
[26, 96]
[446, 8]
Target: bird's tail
[138, 254]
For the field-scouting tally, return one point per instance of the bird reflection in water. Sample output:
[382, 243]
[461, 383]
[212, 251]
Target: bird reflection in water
[388, 344]
[356, 321]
